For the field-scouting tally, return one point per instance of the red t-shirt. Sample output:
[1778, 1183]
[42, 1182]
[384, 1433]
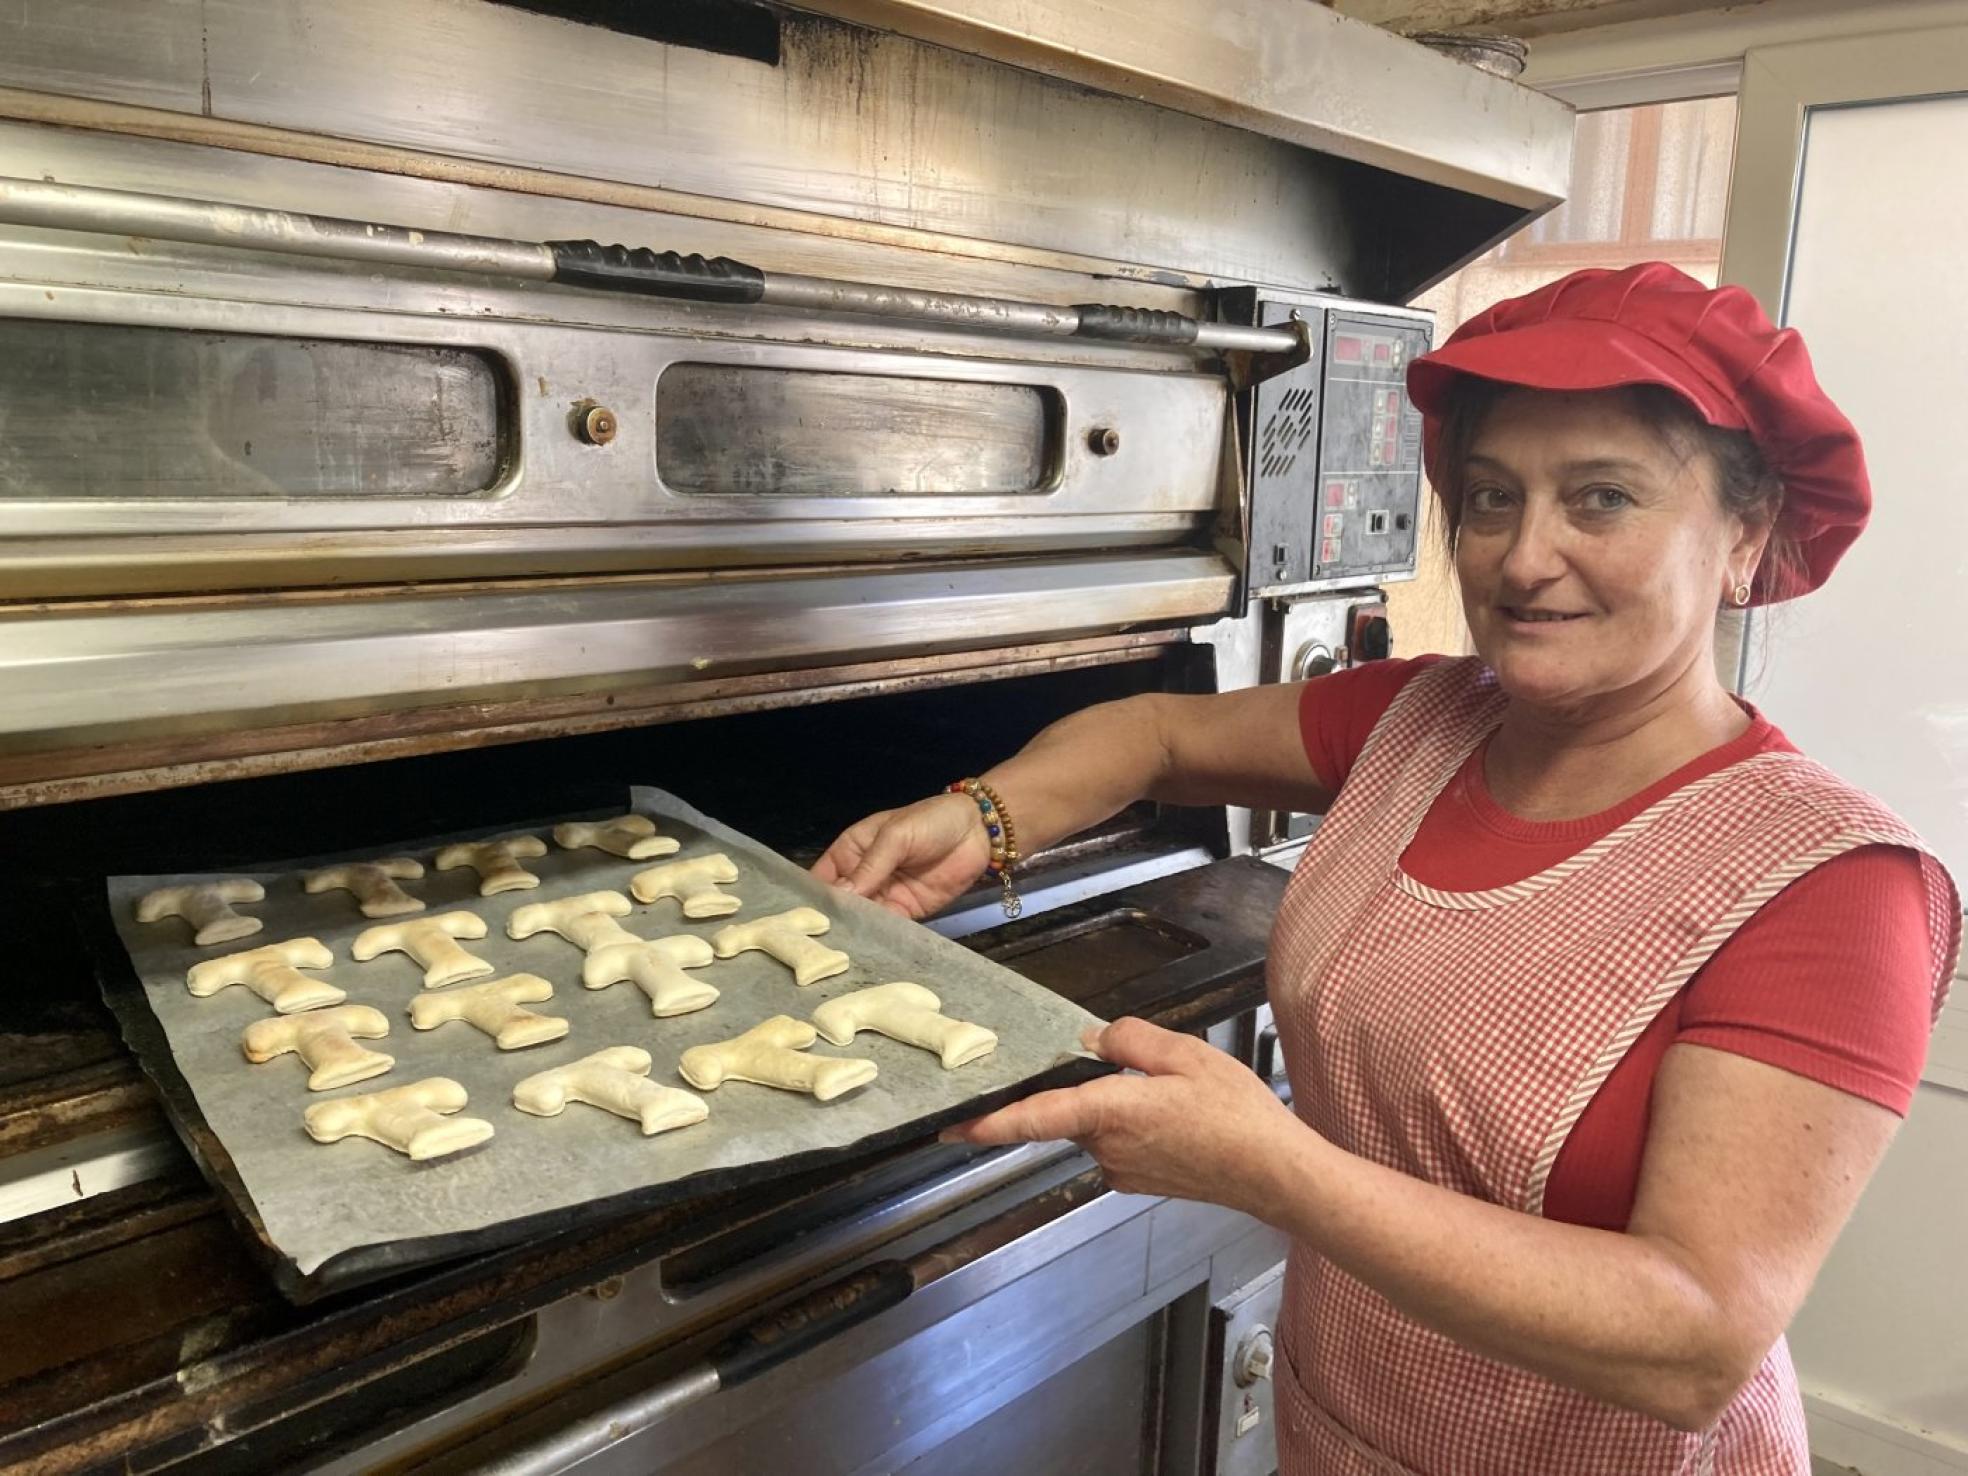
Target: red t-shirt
[1830, 980]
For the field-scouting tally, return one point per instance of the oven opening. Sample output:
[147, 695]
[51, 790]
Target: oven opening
[793, 778]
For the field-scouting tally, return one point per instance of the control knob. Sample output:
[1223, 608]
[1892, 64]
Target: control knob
[1313, 660]
[1251, 1363]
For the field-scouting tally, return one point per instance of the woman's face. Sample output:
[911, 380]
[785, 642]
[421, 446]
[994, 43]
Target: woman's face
[1593, 551]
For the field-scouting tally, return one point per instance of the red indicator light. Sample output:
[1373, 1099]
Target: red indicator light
[1349, 350]
[1383, 352]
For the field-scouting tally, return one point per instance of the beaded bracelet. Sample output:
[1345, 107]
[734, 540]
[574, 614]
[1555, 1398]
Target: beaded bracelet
[1002, 834]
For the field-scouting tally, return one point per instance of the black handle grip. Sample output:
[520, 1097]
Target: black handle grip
[657, 273]
[1135, 325]
[810, 1321]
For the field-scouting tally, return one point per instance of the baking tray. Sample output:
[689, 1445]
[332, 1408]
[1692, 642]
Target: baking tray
[329, 1216]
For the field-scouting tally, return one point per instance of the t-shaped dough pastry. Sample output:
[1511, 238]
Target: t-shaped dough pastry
[788, 937]
[632, 837]
[497, 1007]
[207, 907]
[405, 1118]
[586, 921]
[429, 941]
[656, 966]
[694, 883]
[908, 1013]
[496, 862]
[272, 971]
[770, 1055]
[325, 1040]
[615, 1080]
[373, 883]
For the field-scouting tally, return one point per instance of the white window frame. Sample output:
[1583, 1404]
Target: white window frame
[1781, 85]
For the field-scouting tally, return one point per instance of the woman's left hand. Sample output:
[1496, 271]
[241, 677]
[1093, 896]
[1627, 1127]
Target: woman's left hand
[1196, 1124]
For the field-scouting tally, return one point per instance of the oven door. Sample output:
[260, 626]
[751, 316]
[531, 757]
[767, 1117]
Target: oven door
[190, 418]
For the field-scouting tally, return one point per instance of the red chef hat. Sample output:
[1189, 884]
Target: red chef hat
[1714, 347]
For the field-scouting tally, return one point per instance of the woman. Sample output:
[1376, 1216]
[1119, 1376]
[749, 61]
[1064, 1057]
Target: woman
[1600, 1001]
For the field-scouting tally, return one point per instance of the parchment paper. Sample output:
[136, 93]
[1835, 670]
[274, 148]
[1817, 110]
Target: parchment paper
[317, 1201]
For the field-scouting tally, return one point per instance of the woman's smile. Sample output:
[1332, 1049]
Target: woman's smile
[1540, 621]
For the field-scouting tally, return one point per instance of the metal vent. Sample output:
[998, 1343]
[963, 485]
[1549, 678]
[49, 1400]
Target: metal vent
[1287, 430]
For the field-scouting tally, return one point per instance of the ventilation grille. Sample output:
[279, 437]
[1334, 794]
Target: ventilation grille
[1286, 431]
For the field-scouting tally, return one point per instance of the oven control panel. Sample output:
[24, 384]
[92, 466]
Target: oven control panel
[1333, 448]
[1369, 500]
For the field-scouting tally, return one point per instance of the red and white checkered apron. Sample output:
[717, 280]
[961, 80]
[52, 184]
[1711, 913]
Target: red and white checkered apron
[1458, 1037]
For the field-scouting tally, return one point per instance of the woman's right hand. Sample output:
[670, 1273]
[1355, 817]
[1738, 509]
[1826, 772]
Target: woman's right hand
[915, 860]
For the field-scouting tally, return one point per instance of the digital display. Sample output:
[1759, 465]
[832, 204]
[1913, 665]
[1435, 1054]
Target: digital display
[1365, 350]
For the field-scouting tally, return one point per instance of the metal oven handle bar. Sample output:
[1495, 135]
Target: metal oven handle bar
[799, 1327]
[694, 278]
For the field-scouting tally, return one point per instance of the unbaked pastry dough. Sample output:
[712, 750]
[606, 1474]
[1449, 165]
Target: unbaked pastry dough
[788, 937]
[497, 1007]
[587, 921]
[430, 941]
[656, 967]
[207, 906]
[771, 1054]
[908, 1013]
[373, 883]
[615, 1080]
[694, 883]
[409, 1119]
[326, 1041]
[632, 837]
[273, 972]
[615, 954]
[496, 862]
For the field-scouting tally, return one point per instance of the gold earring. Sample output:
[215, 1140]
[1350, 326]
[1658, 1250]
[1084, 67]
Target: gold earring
[1741, 594]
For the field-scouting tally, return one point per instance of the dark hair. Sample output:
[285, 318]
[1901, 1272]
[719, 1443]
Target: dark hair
[1744, 482]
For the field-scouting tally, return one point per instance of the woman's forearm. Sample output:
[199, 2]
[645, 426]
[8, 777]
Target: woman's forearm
[1082, 769]
[1222, 748]
[1615, 1316]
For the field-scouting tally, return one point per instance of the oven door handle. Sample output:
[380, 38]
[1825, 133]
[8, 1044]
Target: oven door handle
[33, 202]
[799, 1327]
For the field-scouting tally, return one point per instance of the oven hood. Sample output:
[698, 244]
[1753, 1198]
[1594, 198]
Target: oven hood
[1293, 71]
[1173, 144]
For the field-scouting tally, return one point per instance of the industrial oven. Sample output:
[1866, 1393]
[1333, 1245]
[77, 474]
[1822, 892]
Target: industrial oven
[967, 363]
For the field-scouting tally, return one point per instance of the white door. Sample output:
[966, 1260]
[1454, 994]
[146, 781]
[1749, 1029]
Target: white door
[1849, 218]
